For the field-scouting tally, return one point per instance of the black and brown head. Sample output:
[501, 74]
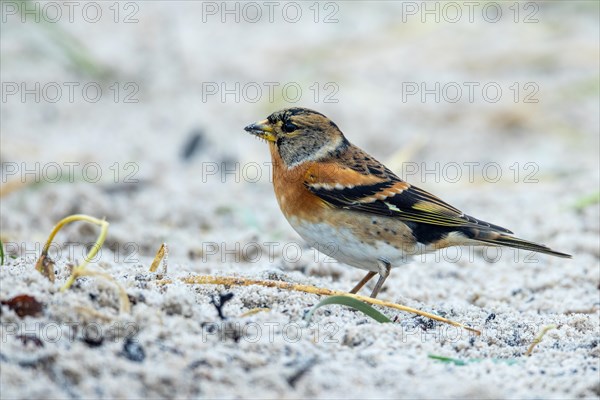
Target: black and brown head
[300, 134]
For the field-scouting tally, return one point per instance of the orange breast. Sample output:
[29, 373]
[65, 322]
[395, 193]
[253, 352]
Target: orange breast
[292, 195]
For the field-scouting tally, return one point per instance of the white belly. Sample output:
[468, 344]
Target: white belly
[342, 245]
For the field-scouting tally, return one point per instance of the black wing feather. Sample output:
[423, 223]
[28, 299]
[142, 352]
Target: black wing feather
[412, 205]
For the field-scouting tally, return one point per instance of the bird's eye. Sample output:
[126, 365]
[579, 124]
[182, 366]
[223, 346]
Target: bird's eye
[288, 127]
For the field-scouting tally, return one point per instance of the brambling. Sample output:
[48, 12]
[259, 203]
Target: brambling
[352, 208]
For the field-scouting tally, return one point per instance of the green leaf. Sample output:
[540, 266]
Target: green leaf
[456, 361]
[586, 201]
[1, 252]
[72, 47]
[447, 360]
[352, 303]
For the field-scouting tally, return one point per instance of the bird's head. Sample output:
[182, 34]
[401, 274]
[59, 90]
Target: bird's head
[299, 135]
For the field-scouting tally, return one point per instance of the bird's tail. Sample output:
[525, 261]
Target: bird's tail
[500, 239]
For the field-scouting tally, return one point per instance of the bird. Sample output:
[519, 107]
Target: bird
[351, 207]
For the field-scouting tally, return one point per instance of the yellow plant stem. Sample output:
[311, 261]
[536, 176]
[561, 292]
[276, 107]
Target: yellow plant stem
[539, 338]
[93, 251]
[254, 311]
[160, 254]
[13, 186]
[45, 266]
[239, 281]
[124, 305]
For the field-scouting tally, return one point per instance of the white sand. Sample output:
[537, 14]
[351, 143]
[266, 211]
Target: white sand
[178, 346]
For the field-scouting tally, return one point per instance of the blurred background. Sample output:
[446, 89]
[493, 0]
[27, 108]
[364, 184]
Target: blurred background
[135, 111]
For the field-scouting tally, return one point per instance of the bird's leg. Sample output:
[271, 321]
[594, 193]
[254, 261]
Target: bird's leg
[384, 272]
[364, 280]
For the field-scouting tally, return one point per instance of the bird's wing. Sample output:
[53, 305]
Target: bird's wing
[353, 187]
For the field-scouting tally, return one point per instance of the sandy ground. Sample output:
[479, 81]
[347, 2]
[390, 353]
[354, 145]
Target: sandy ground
[526, 158]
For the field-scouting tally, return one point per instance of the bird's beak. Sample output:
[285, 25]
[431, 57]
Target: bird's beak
[262, 129]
